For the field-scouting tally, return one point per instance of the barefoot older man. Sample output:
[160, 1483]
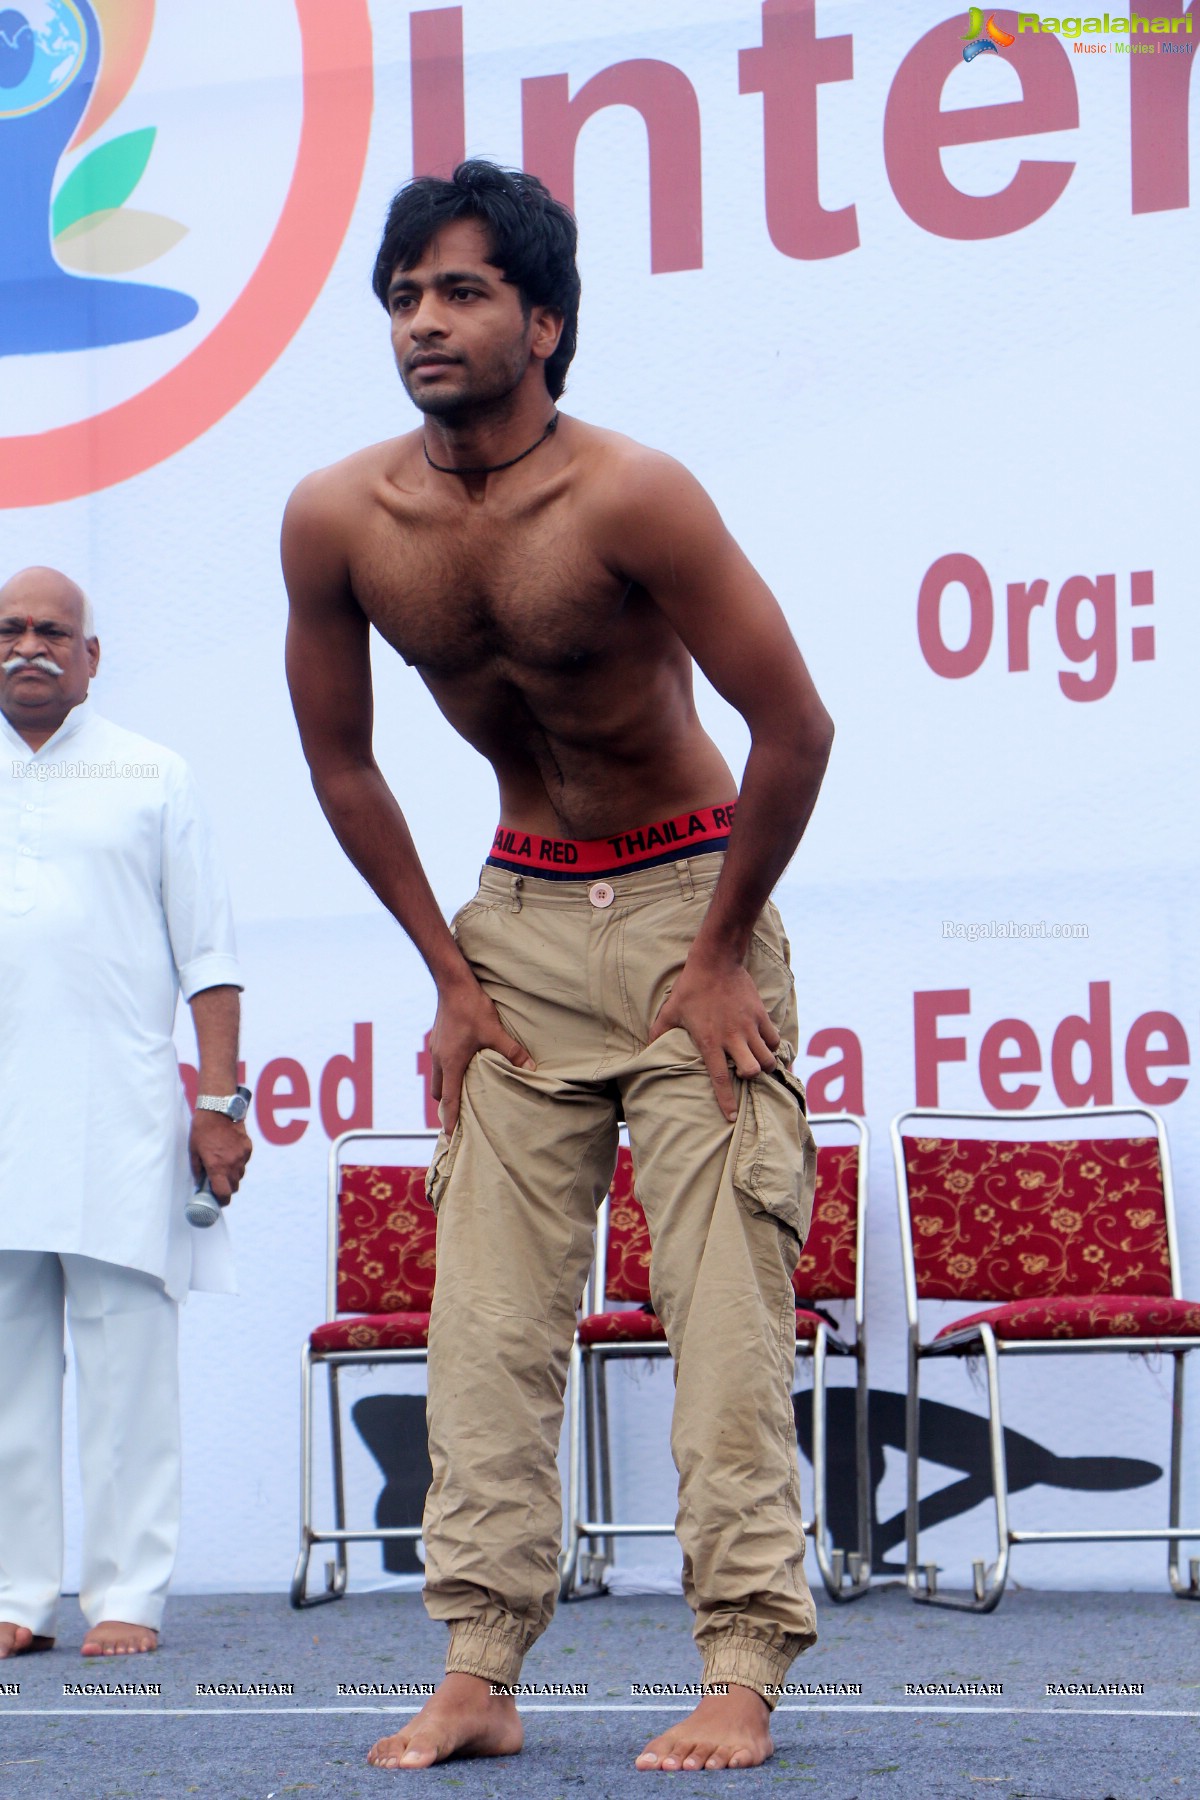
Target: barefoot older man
[111, 902]
[551, 584]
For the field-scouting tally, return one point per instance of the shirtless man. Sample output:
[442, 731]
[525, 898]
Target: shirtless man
[551, 583]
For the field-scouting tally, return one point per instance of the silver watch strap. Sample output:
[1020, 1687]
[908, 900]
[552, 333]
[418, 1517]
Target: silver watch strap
[234, 1105]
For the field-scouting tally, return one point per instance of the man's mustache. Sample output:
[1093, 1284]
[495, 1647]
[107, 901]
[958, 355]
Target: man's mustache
[31, 662]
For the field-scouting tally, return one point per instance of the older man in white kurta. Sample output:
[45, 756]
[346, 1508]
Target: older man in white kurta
[111, 904]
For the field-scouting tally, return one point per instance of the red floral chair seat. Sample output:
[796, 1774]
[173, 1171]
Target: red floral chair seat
[374, 1331]
[1138, 1316]
[633, 1326]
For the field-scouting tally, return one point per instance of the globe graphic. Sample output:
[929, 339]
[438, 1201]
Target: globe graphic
[42, 48]
[49, 55]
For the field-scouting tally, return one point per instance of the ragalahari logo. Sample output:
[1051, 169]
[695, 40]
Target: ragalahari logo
[994, 39]
[73, 74]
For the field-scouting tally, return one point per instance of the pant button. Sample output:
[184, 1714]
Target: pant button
[601, 894]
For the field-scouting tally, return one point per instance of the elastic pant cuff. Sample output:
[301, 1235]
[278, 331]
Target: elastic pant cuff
[745, 1660]
[488, 1651]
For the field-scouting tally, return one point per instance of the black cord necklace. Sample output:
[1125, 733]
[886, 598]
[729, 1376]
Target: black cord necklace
[491, 468]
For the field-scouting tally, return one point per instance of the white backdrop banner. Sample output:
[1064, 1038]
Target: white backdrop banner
[919, 323]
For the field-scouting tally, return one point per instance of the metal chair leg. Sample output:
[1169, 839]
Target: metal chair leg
[833, 1562]
[987, 1588]
[993, 1588]
[300, 1576]
[569, 1559]
[912, 1459]
[594, 1563]
[831, 1578]
[608, 1548]
[1189, 1590]
[589, 1436]
[336, 1570]
[584, 1564]
[862, 1447]
[336, 1583]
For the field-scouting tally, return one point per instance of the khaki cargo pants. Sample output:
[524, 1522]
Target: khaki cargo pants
[517, 1187]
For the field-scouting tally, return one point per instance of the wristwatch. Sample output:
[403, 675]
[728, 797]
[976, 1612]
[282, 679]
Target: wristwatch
[235, 1106]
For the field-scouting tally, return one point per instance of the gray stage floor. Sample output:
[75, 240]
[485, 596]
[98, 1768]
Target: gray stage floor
[847, 1746]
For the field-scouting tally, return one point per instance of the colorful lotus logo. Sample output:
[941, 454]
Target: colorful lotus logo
[994, 39]
[149, 368]
[65, 66]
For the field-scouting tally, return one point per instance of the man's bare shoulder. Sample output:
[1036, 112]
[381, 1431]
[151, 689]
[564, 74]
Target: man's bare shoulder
[353, 481]
[329, 515]
[621, 461]
[630, 484]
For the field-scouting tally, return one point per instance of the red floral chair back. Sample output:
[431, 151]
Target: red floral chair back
[828, 1262]
[627, 1274]
[386, 1232]
[1017, 1221]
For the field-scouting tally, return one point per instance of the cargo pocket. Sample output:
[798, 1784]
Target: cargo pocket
[775, 1165]
[460, 915]
[475, 908]
[437, 1176]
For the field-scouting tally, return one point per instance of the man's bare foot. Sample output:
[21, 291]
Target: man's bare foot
[18, 1640]
[464, 1718]
[112, 1637]
[726, 1731]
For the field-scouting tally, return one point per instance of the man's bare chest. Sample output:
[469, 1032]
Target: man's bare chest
[453, 598]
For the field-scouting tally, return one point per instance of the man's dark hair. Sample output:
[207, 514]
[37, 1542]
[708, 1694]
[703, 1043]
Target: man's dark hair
[533, 240]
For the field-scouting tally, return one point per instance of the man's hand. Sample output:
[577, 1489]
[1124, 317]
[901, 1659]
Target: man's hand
[219, 1148]
[718, 1005]
[466, 1022]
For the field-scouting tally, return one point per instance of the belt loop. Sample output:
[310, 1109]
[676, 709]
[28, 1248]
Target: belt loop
[687, 886]
[515, 886]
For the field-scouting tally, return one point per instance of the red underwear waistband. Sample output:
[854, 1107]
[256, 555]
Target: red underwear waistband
[579, 859]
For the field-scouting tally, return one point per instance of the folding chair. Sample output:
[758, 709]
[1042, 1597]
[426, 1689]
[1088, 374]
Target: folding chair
[832, 1267]
[1072, 1243]
[380, 1272]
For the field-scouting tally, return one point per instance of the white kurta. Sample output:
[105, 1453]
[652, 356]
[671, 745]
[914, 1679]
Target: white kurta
[111, 903]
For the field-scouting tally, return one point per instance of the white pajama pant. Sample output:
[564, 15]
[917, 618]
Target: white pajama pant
[125, 1334]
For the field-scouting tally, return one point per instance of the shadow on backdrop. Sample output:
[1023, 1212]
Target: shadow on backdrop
[956, 1439]
[392, 1426]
